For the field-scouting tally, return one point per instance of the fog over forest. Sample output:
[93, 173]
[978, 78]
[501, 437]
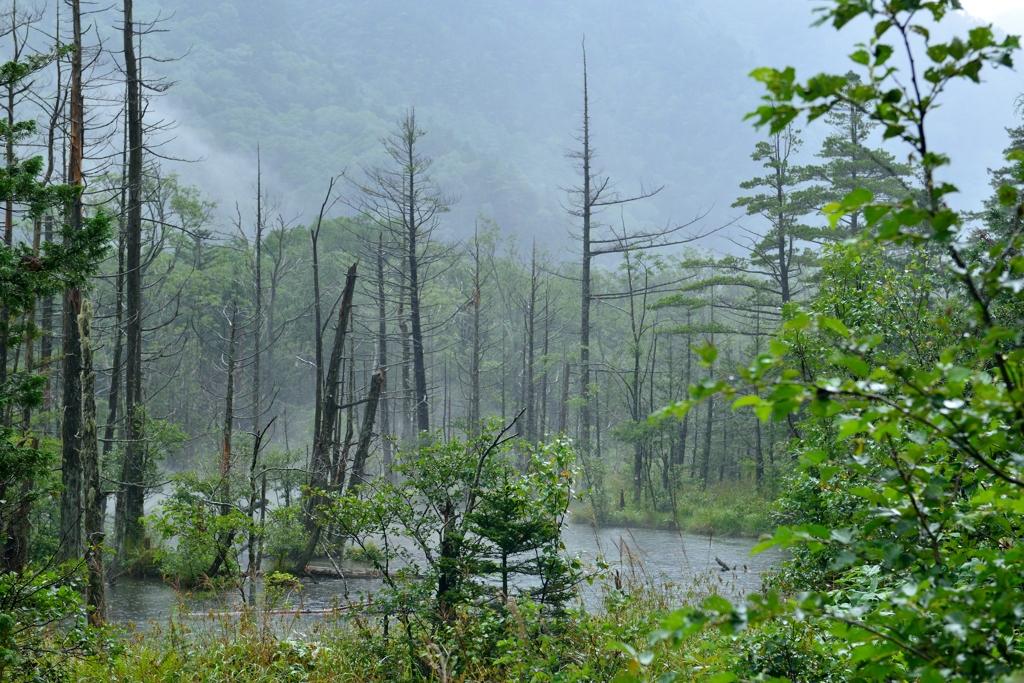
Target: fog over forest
[497, 86]
[577, 341]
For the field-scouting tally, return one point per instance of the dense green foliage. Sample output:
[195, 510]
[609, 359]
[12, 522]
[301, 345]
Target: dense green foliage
[292, 370]
[471, 514]
[39, 620]
[905, 373]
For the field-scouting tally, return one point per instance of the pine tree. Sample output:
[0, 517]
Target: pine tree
[777, 254]
[849, 164]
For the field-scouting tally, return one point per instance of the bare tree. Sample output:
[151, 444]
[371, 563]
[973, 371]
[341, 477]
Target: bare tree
[227, 433]
[320, 475]
[366, 430]
[258, 434]
[95, 505]
[594, 193]
[128, 529]
[71, 370]
[382, 356]
[405, 200]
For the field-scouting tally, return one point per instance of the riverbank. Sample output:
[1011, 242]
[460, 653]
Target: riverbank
[723, 510]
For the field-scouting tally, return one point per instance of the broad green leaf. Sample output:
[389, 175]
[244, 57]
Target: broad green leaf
[707, 353]
[725, 677]
[835, 325]
[748, 400]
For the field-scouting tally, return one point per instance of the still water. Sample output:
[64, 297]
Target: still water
[657, 558]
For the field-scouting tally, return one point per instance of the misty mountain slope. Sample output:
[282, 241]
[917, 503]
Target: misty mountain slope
[497, 85]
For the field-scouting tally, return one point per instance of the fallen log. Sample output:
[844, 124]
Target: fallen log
[347, 607]
[332, 573]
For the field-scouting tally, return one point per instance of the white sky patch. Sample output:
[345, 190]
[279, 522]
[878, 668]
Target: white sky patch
[1007, 15]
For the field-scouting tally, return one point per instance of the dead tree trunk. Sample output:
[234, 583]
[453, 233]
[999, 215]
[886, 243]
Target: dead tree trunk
[255, 530]
[419, 364]
[116, 369]
[684, 425]
[403, 198]
[705, 463]
[94, 497]
[341, 448]
[563, 413]
[46, 323]
[586, 209]
[113, 396]
[257, 387]
[475, 360]
[228, 430]
[131, 497]
[531, 329]
[318, 331]
[542, 427]
[403, 328]
[71, 369]
[320, 462]
[224, 542]
[366, 429]
[588, 199]
[257, 378]
[382, 358]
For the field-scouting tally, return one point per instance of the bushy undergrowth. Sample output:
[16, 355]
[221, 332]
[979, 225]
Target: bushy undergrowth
[515, 641]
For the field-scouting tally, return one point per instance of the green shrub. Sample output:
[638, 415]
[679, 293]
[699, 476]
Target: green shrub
[369, 554]
[42, 625]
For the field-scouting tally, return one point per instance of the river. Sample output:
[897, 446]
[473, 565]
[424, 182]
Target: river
[658, 558]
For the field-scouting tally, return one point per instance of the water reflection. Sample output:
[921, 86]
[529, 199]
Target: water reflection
[651, 556]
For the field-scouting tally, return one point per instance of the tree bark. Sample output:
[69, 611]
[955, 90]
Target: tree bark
[320, 463]
[113, 397]
[257, 387]
[407, 393]
[705, 461]
[475, 360]
[95, 505]
[131, 497]
[419, 367]
[758, 454]
[46, 323]
[366, 429]
[71, 367]
[585, 289]
[563, 413]
[542, 427]
[684, 425]
[382, 359]
[224, 543]
[531, 329]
